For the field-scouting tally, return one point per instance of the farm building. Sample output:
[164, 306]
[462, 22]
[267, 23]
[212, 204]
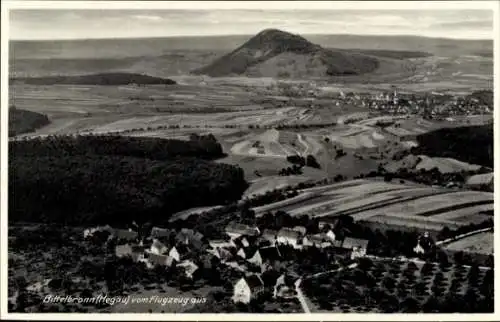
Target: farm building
[157, 232]
[481, 182]
[248, 288]
[269, 235]
[124, 234]
[357, 246]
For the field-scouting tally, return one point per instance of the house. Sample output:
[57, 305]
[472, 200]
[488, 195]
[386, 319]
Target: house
[418, 249]
[124, 234]
[235, 230]
[157, 232]
[269, 235]
[127, 250]
[357, 246]
[271, 258]
[244, 241]
[190, 237]
[241, 253]
[158, 247]
[189, 268]
[160, 260]
[300, 229]
[220, 243]
[288, 236]
[284, 287]
[331, 235]
[255, 259]
[221, 253]
[91, 231]
[317, 240]
[174, 253]
[481, 182]
[248, 288]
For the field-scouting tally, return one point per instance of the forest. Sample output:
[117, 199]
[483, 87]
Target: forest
[472, 144]
[113, 180]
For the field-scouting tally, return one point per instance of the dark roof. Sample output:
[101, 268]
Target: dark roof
[160, 232]
[350, 243]
[254, 281]
[124, 234]
[270, 253]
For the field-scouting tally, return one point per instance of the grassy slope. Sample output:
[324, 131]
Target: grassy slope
[22, 121]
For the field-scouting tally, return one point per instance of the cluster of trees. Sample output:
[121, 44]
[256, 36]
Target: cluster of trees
[428, 177]
[472, 144]
[293, 170]
[114, 180]
[23, 121]
[309, 161]
[395, 287]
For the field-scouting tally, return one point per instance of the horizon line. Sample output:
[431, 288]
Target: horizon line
[246, 34]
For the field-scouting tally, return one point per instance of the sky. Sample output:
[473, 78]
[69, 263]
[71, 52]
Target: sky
[36, 24]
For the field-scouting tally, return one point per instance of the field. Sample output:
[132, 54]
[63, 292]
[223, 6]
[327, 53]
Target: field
[395, 286]
[479, 243]
[383, 205]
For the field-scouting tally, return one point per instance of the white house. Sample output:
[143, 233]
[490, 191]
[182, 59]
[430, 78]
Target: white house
[418, 249]
[158, 248]
[331, 235]
[174, 254]
[248, 288]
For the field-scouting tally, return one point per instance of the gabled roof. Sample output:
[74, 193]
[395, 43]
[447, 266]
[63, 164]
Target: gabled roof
[242, 229]
[158, 244]
[254, 281]
[288, 233]
[350, 243]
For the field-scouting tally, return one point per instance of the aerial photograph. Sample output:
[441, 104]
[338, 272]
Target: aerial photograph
[250, 160]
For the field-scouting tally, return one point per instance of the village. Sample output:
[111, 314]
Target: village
[247, 249]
